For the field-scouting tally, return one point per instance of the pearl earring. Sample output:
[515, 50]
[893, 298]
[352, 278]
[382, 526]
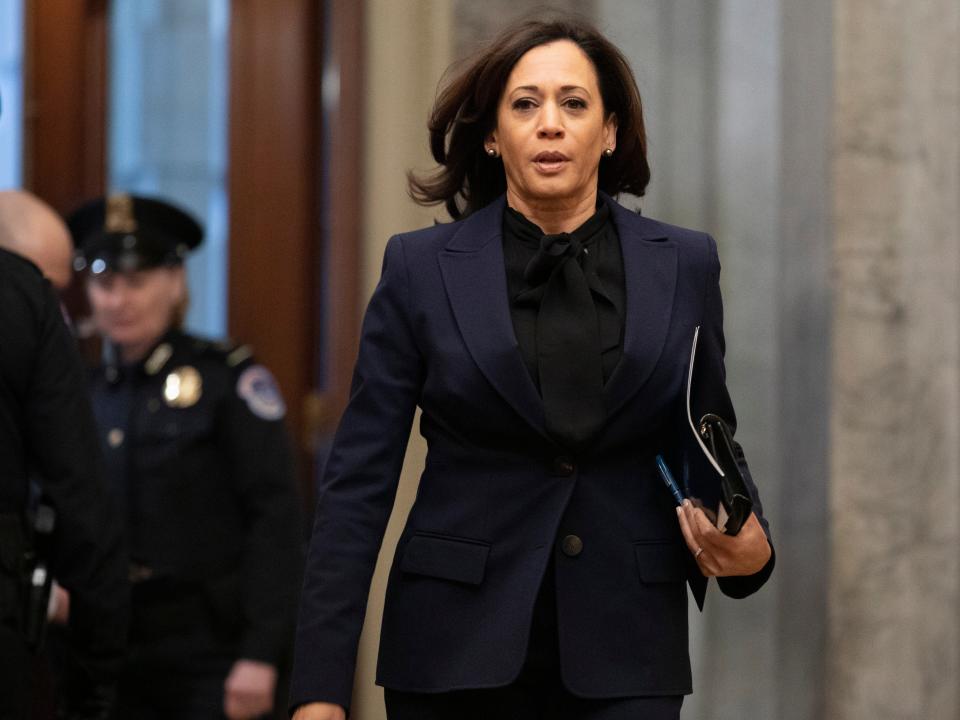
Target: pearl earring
[491, 152]
[608, 152]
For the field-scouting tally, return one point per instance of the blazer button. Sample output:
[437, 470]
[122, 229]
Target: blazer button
[571, 545]
[563, 466]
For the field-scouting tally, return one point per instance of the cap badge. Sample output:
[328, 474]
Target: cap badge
[182, 387]
[119, 214]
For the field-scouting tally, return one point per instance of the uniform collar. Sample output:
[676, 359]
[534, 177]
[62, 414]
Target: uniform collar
[153, 364]
[158, 358]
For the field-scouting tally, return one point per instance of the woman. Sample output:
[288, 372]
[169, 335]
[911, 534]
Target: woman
[196, 449]
[546, 335]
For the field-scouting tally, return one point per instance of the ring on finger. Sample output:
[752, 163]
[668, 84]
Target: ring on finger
[698, 553]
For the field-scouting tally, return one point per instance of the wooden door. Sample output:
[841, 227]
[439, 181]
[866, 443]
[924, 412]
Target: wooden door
[294, 237]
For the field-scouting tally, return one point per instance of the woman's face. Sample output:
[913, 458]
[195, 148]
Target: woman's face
[134, 309]
[551, 130]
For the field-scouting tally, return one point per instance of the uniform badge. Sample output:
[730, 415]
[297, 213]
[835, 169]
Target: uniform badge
[182, 387]
[259, 390]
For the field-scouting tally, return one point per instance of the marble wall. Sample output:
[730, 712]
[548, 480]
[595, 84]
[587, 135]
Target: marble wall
[804, 304]
[895, 470]
[737, 96]
[709, 76]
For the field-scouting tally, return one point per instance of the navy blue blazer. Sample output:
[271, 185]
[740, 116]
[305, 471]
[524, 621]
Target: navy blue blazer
[497, 495]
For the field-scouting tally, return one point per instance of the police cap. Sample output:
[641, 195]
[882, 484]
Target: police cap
[123, 232]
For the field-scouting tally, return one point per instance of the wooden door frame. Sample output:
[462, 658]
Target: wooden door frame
[65, 100]
[302, 235]
[273, 189]
[294, 174]
[339, 298]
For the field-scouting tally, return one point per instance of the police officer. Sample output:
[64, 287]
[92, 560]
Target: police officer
[47, 431]
[194, 438]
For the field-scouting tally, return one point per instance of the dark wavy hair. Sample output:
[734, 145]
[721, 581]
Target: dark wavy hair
[465, 113]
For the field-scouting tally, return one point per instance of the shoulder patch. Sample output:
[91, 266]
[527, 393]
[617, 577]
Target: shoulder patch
[259, 390]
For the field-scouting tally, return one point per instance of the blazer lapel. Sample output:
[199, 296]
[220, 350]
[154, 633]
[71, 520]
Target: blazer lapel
[473, 272]
[650, 270]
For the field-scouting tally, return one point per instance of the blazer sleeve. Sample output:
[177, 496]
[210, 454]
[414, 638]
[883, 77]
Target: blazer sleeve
[711, 381]
[357, 492]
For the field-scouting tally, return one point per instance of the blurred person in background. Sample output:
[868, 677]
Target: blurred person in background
[34, 230]
[545, 335]
[197, 452]
[48, 445]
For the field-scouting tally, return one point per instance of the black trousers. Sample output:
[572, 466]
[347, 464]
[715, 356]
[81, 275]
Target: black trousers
[154, 686]
[521, 701]
[177, 658]
[537, 694]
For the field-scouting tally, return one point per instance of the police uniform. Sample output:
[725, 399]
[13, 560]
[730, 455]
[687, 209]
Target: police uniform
[196, 451]
[46, 432]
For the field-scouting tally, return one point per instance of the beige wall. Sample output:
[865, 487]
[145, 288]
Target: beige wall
[409, 45]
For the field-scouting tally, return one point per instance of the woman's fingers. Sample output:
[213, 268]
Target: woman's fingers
[718, 554]
[706, 529]
[695, 528]
[685, 527]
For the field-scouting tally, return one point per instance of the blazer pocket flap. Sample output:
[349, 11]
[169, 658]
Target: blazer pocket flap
[448, 558]
[660, 562]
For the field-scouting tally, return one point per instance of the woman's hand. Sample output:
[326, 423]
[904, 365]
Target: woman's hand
[720, 555]
[320, 711]
[248, 690]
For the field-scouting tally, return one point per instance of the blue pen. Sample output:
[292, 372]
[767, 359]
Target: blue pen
[669, 481]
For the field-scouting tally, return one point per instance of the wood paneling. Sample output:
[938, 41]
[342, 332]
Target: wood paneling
[65, 100]
[65, 108]
[274, 216]
[343, 110]
[296, 211]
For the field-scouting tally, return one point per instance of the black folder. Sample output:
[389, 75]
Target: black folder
[713, 478]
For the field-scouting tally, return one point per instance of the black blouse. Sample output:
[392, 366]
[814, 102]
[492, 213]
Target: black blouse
[602, 264]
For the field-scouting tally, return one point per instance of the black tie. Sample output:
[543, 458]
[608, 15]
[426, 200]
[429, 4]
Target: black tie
[568, 341]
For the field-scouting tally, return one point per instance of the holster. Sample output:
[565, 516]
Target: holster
[24, 572]
[38, 578]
